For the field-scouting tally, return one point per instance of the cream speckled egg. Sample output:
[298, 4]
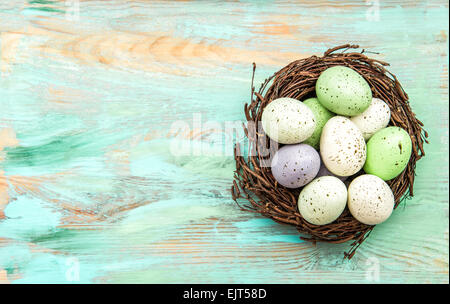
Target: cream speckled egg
[370, 200]
[342, 147]
[323, 200]
[375, 118]
[288, 121]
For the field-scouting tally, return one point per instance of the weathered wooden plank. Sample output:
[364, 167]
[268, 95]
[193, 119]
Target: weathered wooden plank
[88, 175]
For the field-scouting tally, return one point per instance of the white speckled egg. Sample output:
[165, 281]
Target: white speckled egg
[370, 200]
[342, 147]
[375, 118]
[288, 121]
[323, 200]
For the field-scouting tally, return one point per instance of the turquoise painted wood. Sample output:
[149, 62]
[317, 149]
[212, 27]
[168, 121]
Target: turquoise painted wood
[98, 182]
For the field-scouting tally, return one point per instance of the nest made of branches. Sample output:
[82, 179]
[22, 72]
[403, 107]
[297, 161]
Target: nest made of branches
[253, 181]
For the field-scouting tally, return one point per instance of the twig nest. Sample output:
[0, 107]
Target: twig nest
[346, 84]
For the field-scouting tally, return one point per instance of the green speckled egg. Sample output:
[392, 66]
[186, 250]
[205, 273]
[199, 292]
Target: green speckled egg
[322, 115]
[343, 91]
[388, 153]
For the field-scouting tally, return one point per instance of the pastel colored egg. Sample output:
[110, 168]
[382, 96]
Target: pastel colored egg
[294, 166]
[388, 153]
[343, 91]
[342, 147]
[322, 115]
[370, 200]
[323, 200]
[288, 121]
[375, 118]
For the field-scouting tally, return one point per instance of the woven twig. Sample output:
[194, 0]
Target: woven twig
[255, 183]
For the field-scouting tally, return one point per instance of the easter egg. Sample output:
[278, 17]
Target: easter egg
[342, 147]
[322, 115]
[288, 121]
[370, 200]
[343, 91]
[294, 166]
[388, 153]
[375, 118]
[323, 200]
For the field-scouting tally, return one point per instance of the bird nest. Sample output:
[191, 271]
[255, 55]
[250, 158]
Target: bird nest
[255, 189]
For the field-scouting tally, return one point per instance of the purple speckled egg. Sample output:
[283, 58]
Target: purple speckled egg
[294, 166]
[323, 171]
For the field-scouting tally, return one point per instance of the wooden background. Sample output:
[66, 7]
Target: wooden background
[95, 186]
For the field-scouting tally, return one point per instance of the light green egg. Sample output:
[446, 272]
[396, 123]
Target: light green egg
[322, 115]
[388, 153]
[343, 91]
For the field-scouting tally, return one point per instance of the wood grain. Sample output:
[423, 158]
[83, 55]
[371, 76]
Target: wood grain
[92, 189]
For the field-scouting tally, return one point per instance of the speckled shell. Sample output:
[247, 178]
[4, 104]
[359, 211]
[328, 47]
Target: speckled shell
[322, 115]
[370, 200]
[323, 200]
[288, 121]
[375, 118]
[343, 91]
[342, 147]
[388, 153]
[294, 166]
